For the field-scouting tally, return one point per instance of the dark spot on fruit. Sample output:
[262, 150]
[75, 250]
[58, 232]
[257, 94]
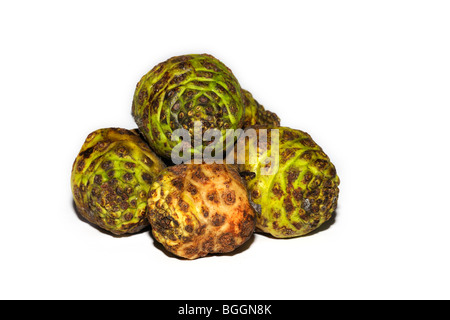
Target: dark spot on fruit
[298, 194]
[80, 165]
[147, 177]
[184, 206]
[190, 251]
[205, 212]
[227, 241]
[155, 105]
[231, 87]
[159, 84]
[209, 65]
[145, 116]
[289, 135]
[307, 155]
[98, 179]
[120, 191]
[233, 108]
[192, 189]
[276, 190]
[208, 245]
[130, 165]
[255, 194]
[287, 231]
[288, 205]
[212, 196]
[248, 175]
[320, 163]
[128, 216]
[127, 176]
[313, 193]
[307, 177]
[142, 96]
[308, 142]
[106, 165]
[214, 96]
[287, 154]
[76, 192]
[112, 182]
[203, 99]
[179, 78]
[209, 110]
[332, 171]
[327, 183]
[166, 222]
[247, 228]
[91, 136]
[86, 153]
[122, 131]
[229, 197]
[218, 220]
[158, 68]
[178, 170]
[101, 146]
[178, 183]
[201, 84]
[179, 59]
[315, 208]
[224, 110]
[183, 65]
[297, 225]
[292, 175]
[189, 94]
[201, 229]
[189, 228]
[205, 74]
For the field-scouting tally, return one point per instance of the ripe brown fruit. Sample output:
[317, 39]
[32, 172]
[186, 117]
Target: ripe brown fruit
[195, 210]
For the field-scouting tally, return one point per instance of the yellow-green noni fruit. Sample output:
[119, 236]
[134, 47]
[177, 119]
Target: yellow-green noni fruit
[300, 193]
[111, 177]
[181, 91]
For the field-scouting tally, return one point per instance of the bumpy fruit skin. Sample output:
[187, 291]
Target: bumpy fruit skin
[301, 195]
[195, 210]
[256, 114]
[182, 90]
[111, 177]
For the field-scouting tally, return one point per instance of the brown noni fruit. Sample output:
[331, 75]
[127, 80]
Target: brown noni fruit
[199, 209]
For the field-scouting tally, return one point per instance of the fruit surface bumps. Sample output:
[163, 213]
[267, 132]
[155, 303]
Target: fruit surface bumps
[301, 195]
[111, 177]
[195, 210]
[256, 114]
[182, 90]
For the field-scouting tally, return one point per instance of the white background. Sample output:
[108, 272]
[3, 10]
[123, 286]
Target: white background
[369, 80]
